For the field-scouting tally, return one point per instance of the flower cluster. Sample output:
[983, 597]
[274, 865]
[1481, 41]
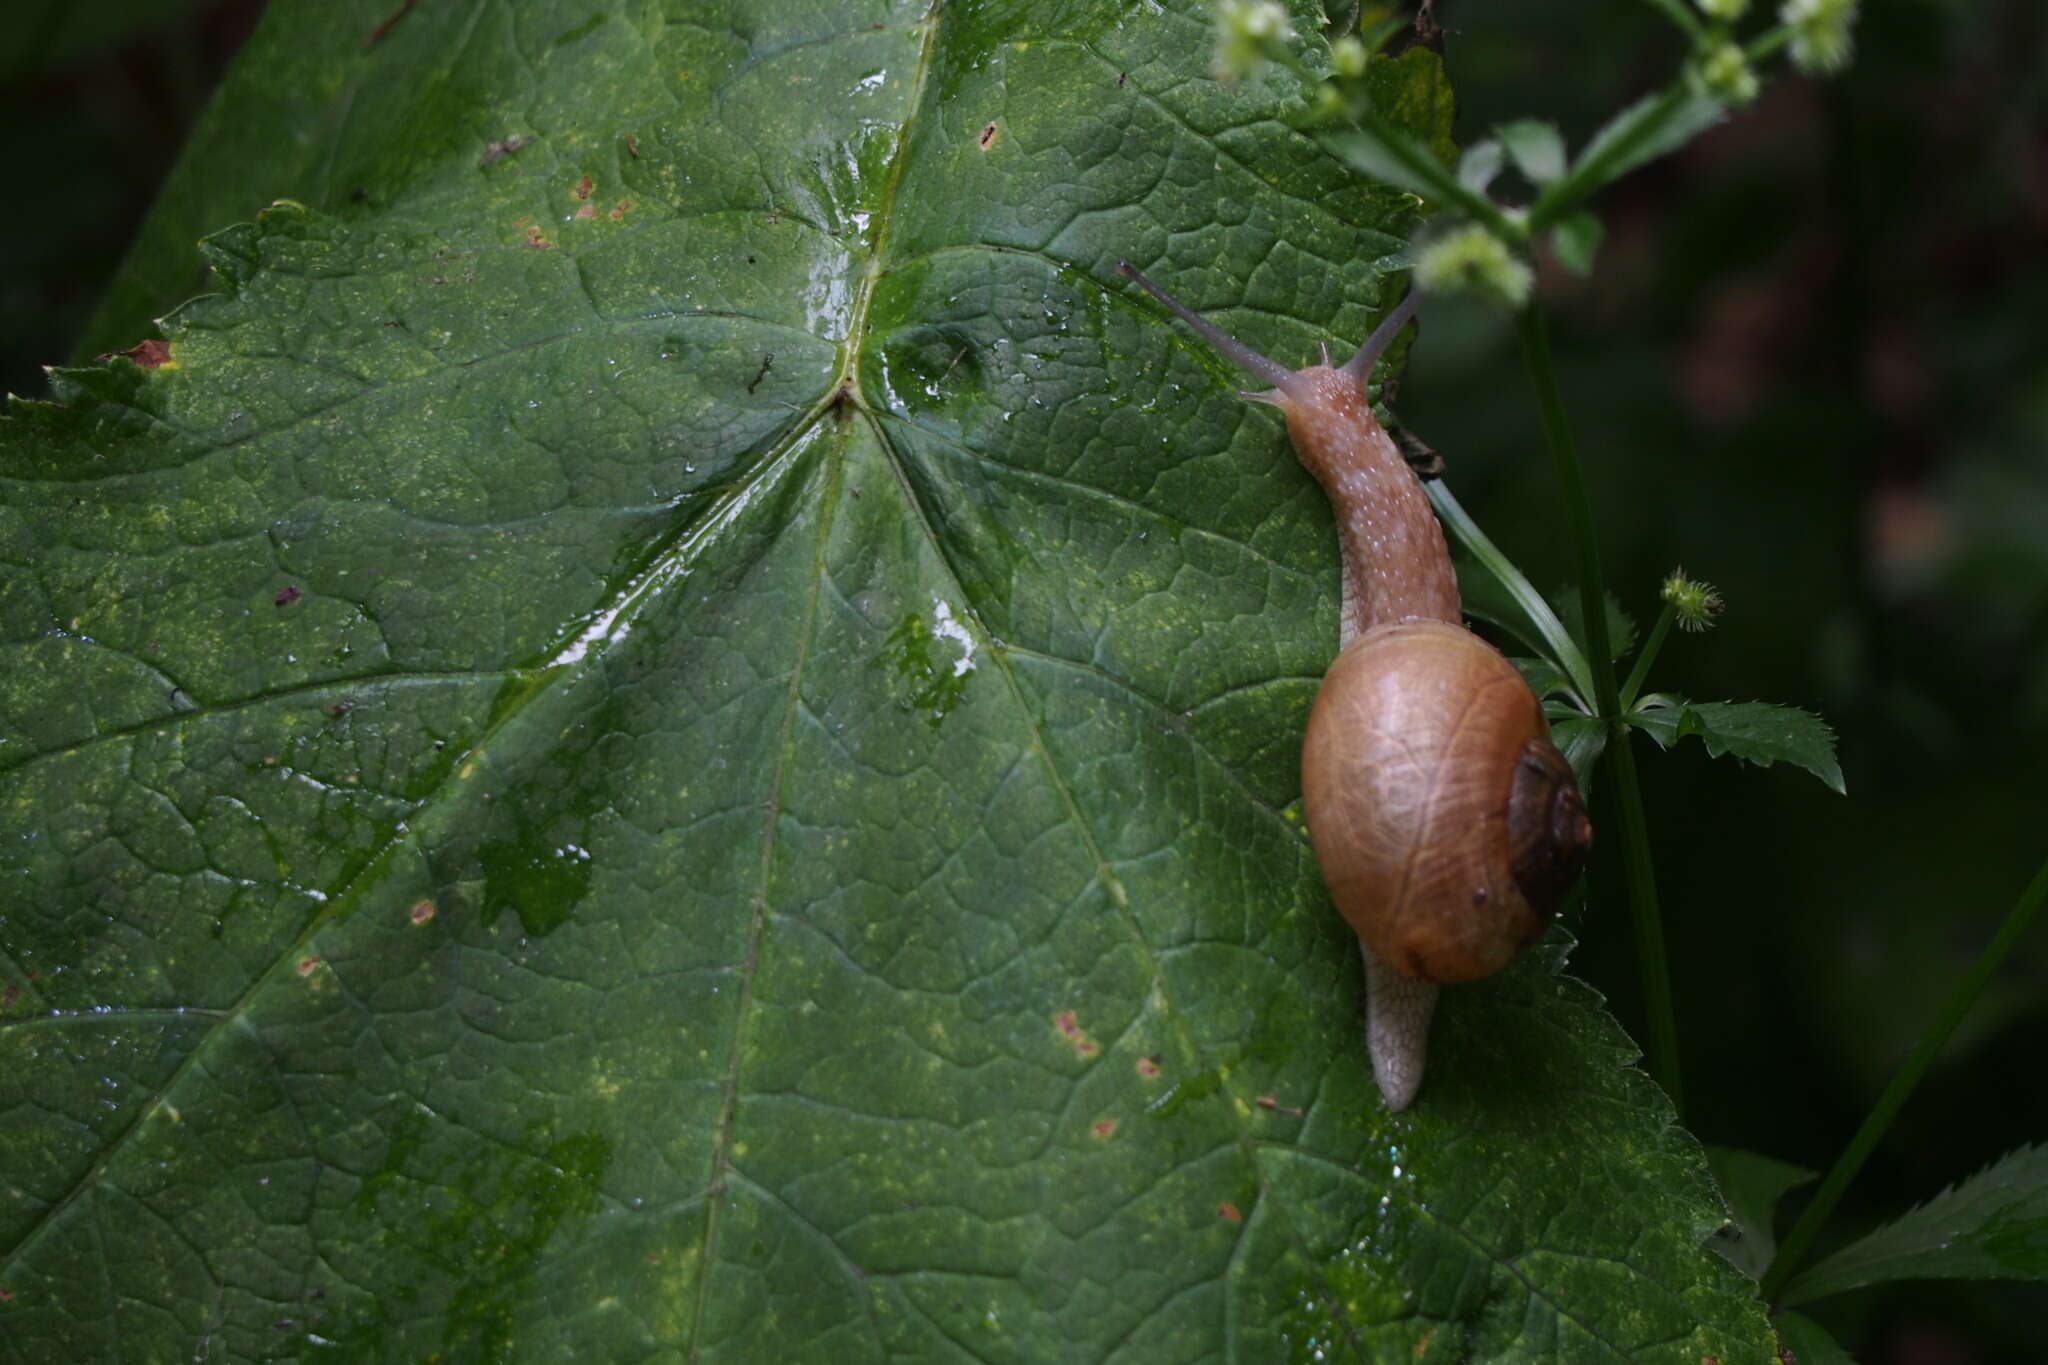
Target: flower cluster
[1695, 604]
[1822, 33]
[1472, 258]
[1246, 31]
[1724, 72]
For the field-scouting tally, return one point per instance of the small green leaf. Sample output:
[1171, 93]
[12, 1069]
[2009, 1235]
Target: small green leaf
[1535, 147]
[1642, 132]
[1581, 739]
[1756, 732]
[1479, 165]
[1808, 1341]
[1576, 240]
[1544, 677]
[1993, 1226]
[1384, 152]
[1752, 1184]
[1571, 609]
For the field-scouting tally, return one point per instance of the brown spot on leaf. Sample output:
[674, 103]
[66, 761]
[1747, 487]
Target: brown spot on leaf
[619, 209]
[633, 146]
[988, 136]
[582, 190]
[1103, 1128]
[152, 354]
[503, 147]
[535, 238]
[1422, 1342]
[1272, 1103]
[1069, 1025]
[6, 1295]
[286, 595]
[1148, 1067]
[308, 965]
[587, 211]
[8, 995]
[422, 912]
[1229, 1212]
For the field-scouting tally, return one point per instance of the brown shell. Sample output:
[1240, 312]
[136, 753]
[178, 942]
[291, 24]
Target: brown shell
[1447, 825]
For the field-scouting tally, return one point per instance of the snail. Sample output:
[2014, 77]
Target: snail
[1447, 826]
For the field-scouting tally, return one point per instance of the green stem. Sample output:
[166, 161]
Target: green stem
[1768, 43]
[2017, 921]
[1648, 656]
[1680, 13]
[1628, 796]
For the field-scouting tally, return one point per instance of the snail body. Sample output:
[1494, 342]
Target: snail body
[1447, 825]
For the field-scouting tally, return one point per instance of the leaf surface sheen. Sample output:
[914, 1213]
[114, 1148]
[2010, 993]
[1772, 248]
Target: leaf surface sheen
[707, 778]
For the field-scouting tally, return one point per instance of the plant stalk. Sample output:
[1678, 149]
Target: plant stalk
[2017, 921]
[1628, 796]
[1638, 675]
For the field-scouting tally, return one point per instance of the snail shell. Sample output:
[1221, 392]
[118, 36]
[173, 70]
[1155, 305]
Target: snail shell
[1447, 825]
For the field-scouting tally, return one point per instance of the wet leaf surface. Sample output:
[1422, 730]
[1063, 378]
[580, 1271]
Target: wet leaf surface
[667, 735]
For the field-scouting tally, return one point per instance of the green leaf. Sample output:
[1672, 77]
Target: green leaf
[1649, 128]
[1536, 148]
[1479, 164]
[1756, 732]
[1808, 1342]
[1576, 241]
[1544, 677]
[1993, 1226]
[1581, 739]
[707, 779]
[1752, 1184]
[1571, 609]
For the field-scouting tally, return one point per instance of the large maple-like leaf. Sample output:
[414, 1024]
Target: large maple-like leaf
[665, 730]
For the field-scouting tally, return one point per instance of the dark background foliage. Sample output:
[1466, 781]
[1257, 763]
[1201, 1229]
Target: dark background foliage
[1810, 367]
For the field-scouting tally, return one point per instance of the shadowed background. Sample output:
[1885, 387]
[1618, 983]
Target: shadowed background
[1810, 368]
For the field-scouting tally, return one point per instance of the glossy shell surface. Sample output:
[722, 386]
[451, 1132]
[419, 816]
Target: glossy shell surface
[1438, 806]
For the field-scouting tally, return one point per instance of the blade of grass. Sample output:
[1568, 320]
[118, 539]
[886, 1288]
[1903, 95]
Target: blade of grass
[1564, 651]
